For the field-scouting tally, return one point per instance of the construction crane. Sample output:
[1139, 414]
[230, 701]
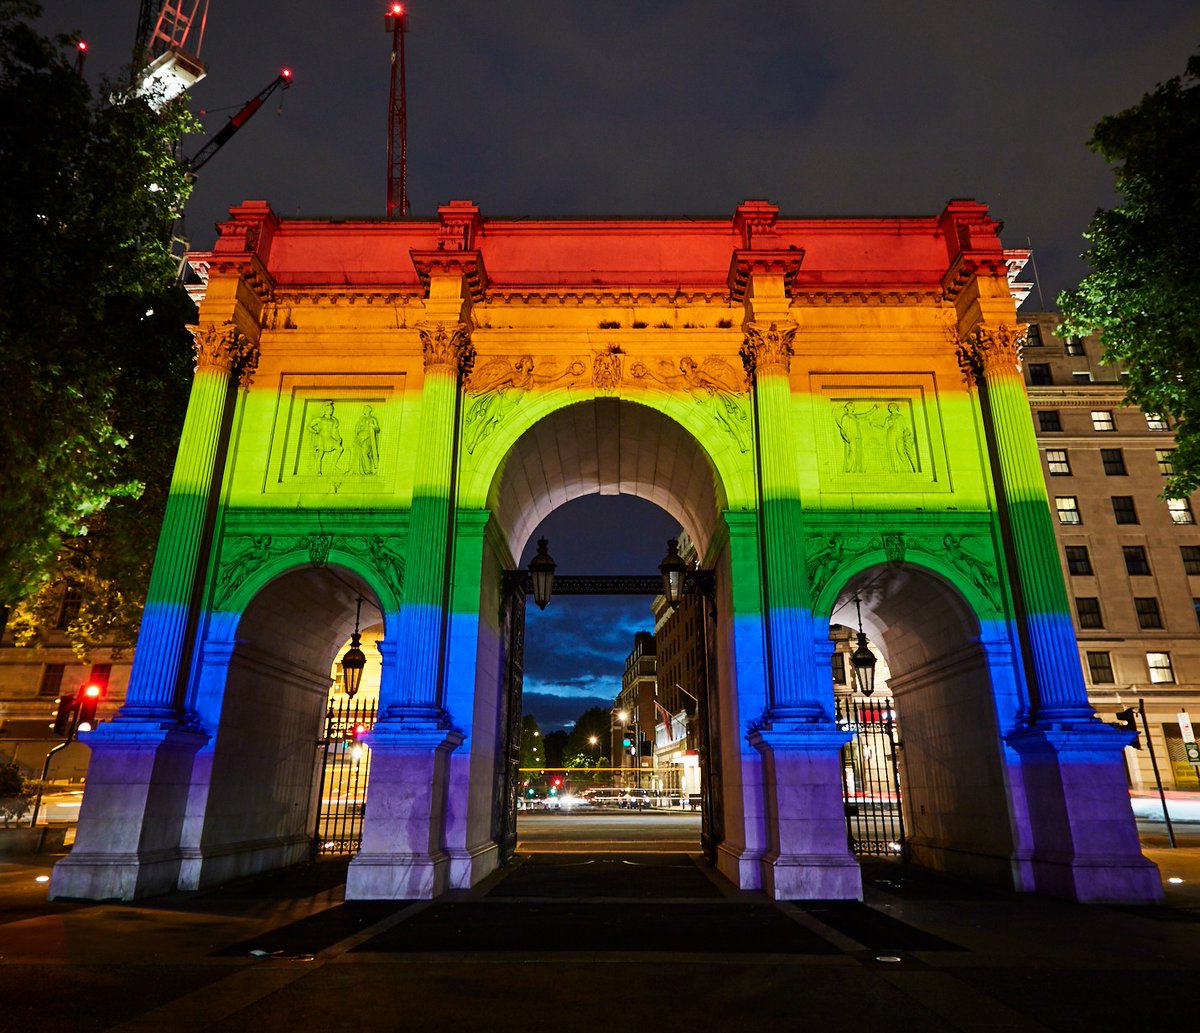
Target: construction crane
[166, 51]
[396, 21]
[281, 82]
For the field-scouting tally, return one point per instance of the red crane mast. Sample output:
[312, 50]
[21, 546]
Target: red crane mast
[396, 22]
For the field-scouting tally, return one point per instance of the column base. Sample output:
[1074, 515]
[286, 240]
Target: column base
[127, 842]
[809, 857]
[1083, 836]
[402, 856]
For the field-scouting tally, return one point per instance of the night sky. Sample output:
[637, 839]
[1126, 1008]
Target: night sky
[556, 107]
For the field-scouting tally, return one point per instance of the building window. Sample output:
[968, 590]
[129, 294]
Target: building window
[1114, 462]
[1057, 462]
[1102, 419]
[1074, 346]
[1155, 422]
[839, 667]
[1191, 558]
[1039, 374]
[1165, 457]
[1135, 560]
[52, 679]
[1181, 511]
[1068, 509]
[1088, 609]
[1147, 613]
[1082, 377]
[1079, 563]
[1033, 336]
[1100, 668]
[1124, 511]
[1196, 607]
[1048, 420]
[1161, 672]
[68, 608]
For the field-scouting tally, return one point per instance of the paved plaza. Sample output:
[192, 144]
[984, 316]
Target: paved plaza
[623, 939]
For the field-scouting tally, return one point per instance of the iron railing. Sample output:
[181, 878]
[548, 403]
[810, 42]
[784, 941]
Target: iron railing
[871, 776]
[345, 765]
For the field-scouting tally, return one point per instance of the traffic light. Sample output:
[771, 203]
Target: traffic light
[64, 712]
[356, 731]
[89, 699]
[1127, 718]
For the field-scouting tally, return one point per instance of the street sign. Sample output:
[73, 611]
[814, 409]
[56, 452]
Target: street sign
[1191, 749]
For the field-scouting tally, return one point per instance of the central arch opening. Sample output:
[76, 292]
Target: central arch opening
[606, 757]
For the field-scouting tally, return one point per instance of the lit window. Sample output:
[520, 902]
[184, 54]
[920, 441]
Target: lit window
[1087, 607]
[1181, 511]
[1161, 672]
[1124, 511]
[1156, 422]
[1114, 462]
[1191, 558]
[1100, 668]
[1147, 613]
[1074, 346]
[1102, 420]
[1136, 563]
[1166, 460]
[1039, 374]
[1048, 420]
[1079, 562]
[1068, 509]
[1057, 463]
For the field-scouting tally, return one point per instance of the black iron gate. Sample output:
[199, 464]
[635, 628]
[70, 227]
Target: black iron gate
[345, 764]
[871, 776]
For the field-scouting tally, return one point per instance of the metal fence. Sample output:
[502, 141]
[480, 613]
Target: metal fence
[345, 764]
[871, 776]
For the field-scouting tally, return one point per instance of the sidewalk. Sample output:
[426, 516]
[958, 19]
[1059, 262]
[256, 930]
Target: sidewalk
[559, 941]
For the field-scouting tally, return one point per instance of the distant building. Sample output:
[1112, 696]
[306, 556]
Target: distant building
[1131, 558]
[634, 709]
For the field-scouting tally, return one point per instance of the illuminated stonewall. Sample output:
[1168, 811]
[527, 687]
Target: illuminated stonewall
[828, 407]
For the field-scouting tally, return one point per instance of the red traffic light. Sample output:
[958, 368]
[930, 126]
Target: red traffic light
[93, 691]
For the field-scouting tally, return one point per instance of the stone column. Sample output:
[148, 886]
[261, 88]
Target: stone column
[224, 357]
[988, 356]
[794, 693]
[413, 694]
[1076, 813]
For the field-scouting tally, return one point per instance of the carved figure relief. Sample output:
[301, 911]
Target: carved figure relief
[606, 369]
[714, 385]
[498, 388]
[248, 553]
[326, 440]
[826, 555]
[366, 442]
[252, 555]
[877, 436]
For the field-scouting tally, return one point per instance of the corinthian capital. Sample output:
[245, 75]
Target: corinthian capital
[224, 347]
[989, 349]
[448, 346]
[767, 349]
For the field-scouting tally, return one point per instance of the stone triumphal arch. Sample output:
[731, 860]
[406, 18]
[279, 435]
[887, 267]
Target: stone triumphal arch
[831, 408]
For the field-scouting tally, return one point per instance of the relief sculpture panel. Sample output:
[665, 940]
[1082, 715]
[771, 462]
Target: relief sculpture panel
[875, 433]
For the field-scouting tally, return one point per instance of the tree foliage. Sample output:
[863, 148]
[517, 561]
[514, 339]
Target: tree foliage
[92, 339]
[532, 754]
[593, 723]
[1143, 292]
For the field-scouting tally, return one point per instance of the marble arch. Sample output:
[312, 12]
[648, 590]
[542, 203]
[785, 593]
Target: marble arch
[844, 395]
